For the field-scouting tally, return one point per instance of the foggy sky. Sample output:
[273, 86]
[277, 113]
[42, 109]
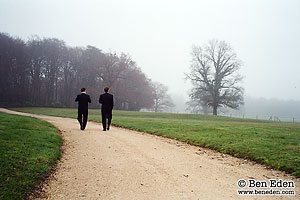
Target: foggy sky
[159, 34]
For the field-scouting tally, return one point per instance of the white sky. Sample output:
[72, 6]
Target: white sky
[159, 34]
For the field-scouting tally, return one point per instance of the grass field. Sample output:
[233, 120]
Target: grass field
[275, 144]
[28, 149]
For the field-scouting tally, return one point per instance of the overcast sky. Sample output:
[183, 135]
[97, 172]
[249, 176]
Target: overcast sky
[159, 34]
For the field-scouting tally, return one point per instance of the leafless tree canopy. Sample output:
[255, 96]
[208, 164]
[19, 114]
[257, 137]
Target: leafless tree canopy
[214, 75]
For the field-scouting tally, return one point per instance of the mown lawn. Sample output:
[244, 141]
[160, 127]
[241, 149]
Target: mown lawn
[28, 149]
[275, 144]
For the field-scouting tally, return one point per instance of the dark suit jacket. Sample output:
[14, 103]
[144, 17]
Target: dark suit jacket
[83, 100]
[107, 101]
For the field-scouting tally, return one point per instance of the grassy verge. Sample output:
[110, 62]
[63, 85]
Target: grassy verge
[28, 149]
[271, 143]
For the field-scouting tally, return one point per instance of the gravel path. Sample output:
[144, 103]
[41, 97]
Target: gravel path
[124, 164]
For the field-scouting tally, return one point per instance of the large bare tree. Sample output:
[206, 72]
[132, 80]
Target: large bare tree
[215, 77]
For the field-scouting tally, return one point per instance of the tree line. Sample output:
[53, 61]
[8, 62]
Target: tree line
[47, 72]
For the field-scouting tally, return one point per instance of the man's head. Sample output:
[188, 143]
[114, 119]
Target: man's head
[106, 89]
[83, 90]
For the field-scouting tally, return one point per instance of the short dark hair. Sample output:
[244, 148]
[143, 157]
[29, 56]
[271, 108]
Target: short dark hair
[106, 89]
[83, 89]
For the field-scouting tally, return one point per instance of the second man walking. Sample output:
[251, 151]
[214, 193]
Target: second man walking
[107, 101]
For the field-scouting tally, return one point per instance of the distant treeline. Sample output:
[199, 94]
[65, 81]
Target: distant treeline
[47, 72]
[266, 108]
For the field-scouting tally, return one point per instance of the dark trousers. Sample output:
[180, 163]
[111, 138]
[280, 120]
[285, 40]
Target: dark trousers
[108, 116]
[82, 118]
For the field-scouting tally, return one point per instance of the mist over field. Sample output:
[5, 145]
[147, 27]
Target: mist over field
[261, 108]
[158, 36]
[269, 109]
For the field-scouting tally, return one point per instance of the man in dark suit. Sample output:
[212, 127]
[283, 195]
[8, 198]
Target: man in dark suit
[107, 101]
[83, 100]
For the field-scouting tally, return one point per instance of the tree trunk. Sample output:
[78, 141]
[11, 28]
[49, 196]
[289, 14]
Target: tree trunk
[215, 110]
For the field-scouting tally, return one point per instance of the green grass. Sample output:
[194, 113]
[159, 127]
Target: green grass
[28, 149]
[271, 143]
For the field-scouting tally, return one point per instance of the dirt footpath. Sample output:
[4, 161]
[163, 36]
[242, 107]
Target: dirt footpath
[124, 164]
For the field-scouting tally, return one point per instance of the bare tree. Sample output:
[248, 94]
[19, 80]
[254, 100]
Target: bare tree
[13, 70]
[162, 100]
[53, 50]
[37, 59]
[214, 75]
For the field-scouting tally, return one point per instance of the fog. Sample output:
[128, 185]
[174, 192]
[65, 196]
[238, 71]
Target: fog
[159, 35]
